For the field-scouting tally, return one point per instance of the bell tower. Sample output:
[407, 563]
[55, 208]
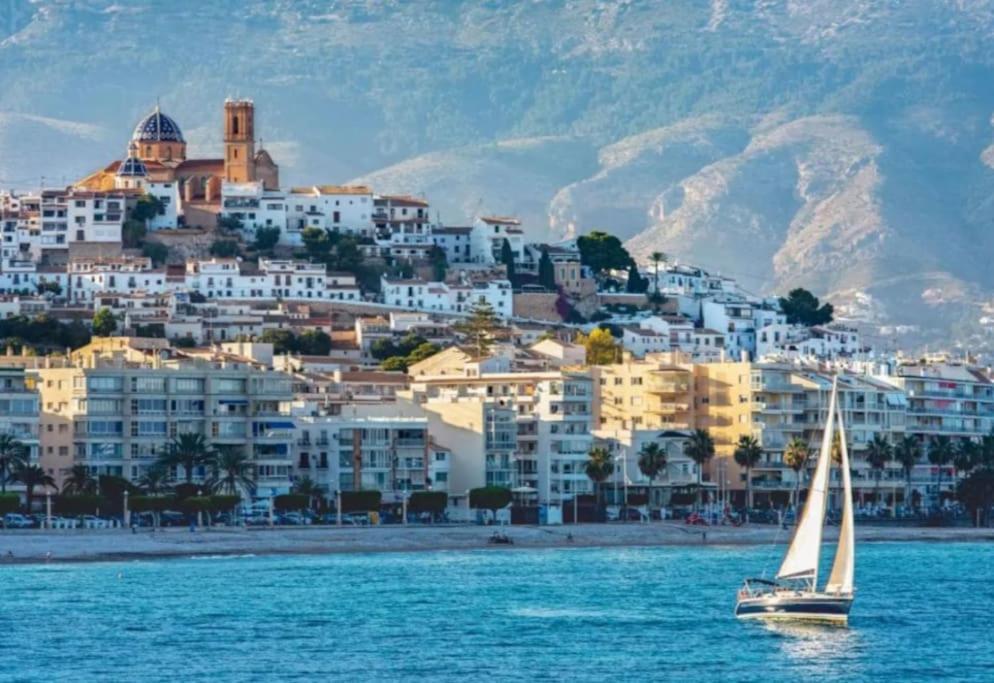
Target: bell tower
[239, 141]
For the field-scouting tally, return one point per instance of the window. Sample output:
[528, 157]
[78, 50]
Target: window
[148, 385]
[105, 384]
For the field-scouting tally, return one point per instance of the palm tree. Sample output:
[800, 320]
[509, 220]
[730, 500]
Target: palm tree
[234, 472]
[155, 480]
[879, 452]
[699, 448]
[599, 467]
[187, 451]
[940, 452]
[12, 456]
[747, 454]
[986, 454]
[652, 461]
[657, 257]
[795, 456]
[966, 456]
[32, 476]
[305, 486]
[79, 481]
[908, 452]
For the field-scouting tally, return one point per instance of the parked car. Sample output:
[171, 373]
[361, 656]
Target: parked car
[294, 519]
[13, 520]
[260, 520]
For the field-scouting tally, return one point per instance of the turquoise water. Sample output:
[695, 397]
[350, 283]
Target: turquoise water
[923, 612]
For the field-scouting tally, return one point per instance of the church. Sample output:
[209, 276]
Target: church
[157, 157]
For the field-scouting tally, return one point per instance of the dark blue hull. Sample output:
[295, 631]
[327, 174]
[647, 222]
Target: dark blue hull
[792, 606]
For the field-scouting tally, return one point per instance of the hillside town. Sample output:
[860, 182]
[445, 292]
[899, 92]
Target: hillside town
[173, 319]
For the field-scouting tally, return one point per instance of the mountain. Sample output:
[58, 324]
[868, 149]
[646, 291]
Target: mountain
[841, 145]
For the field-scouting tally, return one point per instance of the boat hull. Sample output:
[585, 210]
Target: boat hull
[795, 608]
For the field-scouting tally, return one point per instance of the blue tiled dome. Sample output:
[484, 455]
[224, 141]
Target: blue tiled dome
[157, 127]
[132, 167]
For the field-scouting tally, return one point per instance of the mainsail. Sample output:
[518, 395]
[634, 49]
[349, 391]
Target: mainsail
[843, 568]
[801, 561]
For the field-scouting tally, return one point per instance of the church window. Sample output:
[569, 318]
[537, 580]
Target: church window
[234, 125]
[234, 152]
[148, 150]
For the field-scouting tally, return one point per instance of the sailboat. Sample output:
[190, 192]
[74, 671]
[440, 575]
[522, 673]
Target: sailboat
[794, 593]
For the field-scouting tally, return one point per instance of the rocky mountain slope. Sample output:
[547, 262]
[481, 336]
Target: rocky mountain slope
[843, 145]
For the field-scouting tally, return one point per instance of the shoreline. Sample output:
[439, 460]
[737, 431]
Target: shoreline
[118, 545]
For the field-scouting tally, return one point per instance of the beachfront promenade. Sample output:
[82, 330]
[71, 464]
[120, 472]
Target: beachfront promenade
[115, 544]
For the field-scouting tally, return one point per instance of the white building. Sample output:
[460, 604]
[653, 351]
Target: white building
[255, 206]
[488, 236]
[441, 297]
[340, 208]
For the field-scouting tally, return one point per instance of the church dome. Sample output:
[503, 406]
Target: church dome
[157, 127]
[132, 167]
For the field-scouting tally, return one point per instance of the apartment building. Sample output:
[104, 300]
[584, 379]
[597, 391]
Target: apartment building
[360, 449]
[530, 431]
[19, 413]
[125, 399]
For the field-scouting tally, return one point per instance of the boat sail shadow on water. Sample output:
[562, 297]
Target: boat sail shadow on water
[794, 594]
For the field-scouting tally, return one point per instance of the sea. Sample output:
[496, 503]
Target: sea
[923, 612]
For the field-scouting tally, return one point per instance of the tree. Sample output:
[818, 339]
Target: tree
[104, 323]
[283, 341]
[32, 476]
[348, 255]
[360, 501]
[879, 452]
[635, 284]
[507, 258]
[976, 492]
[966, 456]
[795, 456]
[51, 287]
[305, 486]
[317, 242]
[656, 257]
[79, 482]
[423, 351]
[940, 453]
[187, 451]
[907, 452]
[601, 347]
[266, 238]
[155, 480]
[233, 472]
[652, 461]
[546, 271]
[432, 502]
[158, 252]
[230, 223]
[439, 263]
[133, 233]
[803, 308]
[491, 498]
[747, 455]
[394, 364]
[599, 468]
[146, 208]
[601, 252]
[12, 457]
[313, 343]
[479, 328]
[700, 449]
[225, 249]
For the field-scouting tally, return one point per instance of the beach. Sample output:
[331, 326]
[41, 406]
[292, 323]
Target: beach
[27, 546]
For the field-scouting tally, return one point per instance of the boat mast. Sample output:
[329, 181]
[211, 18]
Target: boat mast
[801, 561]
[844, 565]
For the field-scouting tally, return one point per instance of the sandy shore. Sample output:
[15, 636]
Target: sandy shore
[93, 545]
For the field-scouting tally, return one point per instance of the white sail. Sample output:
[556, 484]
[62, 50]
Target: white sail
[844, 566]
[801, 561]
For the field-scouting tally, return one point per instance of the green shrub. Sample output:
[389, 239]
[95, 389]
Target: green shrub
[221, 503]
[81, 504]
[489, 497]
[9, 502]
[360, 501]
[428, 501]
[195, 504]
[151, 503]
[291, 501]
